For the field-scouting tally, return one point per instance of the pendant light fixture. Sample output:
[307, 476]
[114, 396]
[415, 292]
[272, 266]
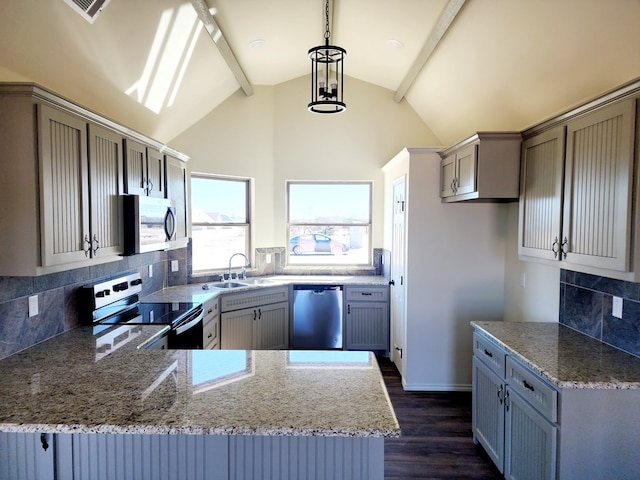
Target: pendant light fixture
[327, 76]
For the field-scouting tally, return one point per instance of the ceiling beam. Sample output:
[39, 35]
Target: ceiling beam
[438, 32]
[216, 35]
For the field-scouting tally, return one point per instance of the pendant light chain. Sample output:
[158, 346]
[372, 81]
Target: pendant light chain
[327, 33]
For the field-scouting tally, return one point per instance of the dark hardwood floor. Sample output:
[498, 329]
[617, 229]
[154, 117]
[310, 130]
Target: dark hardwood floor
[436, 440]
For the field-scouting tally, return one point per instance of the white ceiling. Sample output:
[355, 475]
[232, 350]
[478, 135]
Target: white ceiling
[503, 64]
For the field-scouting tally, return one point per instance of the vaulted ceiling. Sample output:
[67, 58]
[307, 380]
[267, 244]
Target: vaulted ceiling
[501, 65]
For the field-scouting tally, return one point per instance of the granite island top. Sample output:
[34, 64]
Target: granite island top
[565, 357]
[68, 385]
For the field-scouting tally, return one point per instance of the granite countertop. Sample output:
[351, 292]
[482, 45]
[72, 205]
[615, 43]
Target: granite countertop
[67, 385]
[196, 293]
[565, 357]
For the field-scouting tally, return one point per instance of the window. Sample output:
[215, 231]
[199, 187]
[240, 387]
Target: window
[220, 220]
[329, 223]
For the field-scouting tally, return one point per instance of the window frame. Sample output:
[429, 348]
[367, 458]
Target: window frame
[368, 225]
[248, 225]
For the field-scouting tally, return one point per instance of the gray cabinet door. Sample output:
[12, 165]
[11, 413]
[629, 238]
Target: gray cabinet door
[150, 457]
[135, 173]
[177, 192]
[488, 411]
[447, 176]
[22, 457]
[155, 173]
[64, 174]
[367, 326]
[271, 328]
[542, 180]
[106, 174]
[530, 442]
[236, 329]
[466, 162]
[599, 187]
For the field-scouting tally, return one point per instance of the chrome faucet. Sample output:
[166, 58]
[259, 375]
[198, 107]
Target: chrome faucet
[244, 272]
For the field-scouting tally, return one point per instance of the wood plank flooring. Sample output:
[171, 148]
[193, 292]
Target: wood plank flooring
[436, 441]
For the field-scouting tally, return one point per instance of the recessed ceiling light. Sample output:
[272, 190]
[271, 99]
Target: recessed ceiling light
[259, 43]
[395, 43]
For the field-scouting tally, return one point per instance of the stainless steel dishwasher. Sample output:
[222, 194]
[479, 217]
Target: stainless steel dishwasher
[317, 317]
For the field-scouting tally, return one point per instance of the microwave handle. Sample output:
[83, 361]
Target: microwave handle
[170, 219]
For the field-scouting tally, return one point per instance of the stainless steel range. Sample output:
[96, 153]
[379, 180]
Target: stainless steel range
[116, 302]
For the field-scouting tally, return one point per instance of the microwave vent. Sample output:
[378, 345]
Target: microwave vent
[88, 9]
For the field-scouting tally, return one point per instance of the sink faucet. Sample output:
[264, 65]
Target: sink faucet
[244, 272]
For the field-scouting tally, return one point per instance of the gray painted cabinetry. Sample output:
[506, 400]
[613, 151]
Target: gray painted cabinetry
[69, 167]
[211, 325]
[484, 166]
[255, 320]
[366, 318]
[577, 191]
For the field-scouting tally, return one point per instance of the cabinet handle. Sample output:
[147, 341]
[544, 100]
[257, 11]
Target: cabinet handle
[528, 386]
[348, 309]
[210, 335]
[43, 440]
[565, 243]
[555, 247]
[488, 353]
[259, 314]
[149, 186]
[88, 243]
[366, 293]
[254, 315]
[500, 391]
[506, 400]
[95, 239]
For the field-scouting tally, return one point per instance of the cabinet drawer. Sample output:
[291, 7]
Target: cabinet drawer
[533, 389]
[211, 332]
[491, 354]
[210, 308]
[373, 294]
[254, 298]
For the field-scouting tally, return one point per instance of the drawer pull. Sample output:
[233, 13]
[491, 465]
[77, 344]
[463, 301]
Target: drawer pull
[210, 335]
[528, 386]
[366, 293]
[488, 353]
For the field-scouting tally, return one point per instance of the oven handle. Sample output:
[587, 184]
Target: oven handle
[190, 322]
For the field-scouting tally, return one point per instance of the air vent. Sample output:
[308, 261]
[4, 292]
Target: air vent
[88, 9]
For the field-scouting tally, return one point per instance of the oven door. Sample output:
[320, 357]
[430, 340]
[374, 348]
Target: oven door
[187, 335]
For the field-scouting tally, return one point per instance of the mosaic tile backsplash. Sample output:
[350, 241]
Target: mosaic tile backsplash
[586, 304]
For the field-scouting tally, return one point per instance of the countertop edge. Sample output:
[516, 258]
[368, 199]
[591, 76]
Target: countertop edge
[561, 384]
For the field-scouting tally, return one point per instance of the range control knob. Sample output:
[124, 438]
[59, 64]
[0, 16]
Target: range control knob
[103, 293]
[137, 281]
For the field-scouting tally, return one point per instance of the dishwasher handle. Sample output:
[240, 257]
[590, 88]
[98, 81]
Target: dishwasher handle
[318, 288]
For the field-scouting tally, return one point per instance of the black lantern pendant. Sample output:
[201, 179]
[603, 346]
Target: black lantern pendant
[327, 75]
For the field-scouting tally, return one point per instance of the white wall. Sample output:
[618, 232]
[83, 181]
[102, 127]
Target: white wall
[539, 299]
[271, 137]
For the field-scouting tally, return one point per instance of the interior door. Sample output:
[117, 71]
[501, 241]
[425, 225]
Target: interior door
[398, 267]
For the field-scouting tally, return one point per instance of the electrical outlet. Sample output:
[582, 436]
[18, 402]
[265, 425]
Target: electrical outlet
[150, 271]
[174, 266]
[617, 307]
[267, 258]
[33, 306]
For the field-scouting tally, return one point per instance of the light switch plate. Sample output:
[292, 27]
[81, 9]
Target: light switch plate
[617, 307]
[174, 265]
[267, 258]
[150, 271]
[33, 306]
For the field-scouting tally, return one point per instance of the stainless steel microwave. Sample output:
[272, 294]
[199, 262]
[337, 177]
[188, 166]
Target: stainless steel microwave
[149, 224]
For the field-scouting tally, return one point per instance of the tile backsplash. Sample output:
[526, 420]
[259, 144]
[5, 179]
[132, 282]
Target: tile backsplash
[58, 296]
[586, 304]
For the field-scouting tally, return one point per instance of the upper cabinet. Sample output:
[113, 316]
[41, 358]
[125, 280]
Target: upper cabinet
[178, 193]
[65, 182]
[576, 203]
[145, 170]
[485, 166]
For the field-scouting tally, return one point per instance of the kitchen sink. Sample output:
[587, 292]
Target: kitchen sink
[227, 285]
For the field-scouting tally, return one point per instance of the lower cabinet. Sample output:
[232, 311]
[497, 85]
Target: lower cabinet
[257, 320]
[258, 328]
[189, 457]
[366, 325]
[211, 325]
[514, 413]
[23, 456]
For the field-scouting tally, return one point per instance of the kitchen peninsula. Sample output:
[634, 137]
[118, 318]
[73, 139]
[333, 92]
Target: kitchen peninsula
[190, 414]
